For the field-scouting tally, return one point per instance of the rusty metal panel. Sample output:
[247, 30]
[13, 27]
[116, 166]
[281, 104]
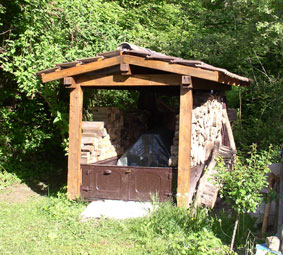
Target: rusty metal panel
[85, 187]
[147, 182]
[104, 182]
[100, 181]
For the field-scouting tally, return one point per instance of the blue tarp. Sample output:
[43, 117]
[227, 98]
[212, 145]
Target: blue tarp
[262, 249]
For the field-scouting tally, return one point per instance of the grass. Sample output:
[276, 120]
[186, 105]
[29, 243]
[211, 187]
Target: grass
[7, 179]
[51, 225]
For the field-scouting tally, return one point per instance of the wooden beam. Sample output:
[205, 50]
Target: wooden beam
[202, 84]
[172, 68]
[184, 158]
[225, 79]
[187, 81]
[229, 130]
[133, 80]
[125, 69]
[74, 157]
[80, 69]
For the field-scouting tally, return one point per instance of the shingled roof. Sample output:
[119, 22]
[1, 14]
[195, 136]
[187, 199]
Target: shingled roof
[131, 49]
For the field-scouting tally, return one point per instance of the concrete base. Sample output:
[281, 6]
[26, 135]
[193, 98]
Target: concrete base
[116, 209]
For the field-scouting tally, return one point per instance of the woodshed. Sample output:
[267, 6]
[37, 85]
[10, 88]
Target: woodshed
[202, 128]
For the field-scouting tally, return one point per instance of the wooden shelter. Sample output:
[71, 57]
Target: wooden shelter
[134, 67]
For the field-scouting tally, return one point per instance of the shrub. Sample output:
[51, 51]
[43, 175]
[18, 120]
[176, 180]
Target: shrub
[186, 231]
[241, 187]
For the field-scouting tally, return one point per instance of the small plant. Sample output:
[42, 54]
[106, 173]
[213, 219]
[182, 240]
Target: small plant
[7, 179]
[242, 186]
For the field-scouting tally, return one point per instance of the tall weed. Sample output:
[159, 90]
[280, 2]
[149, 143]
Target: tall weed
[224, 224]
[186, 231]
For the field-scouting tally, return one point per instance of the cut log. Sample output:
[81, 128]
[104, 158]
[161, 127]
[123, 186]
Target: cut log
[93, 124]
[207, 190]
[195, 176]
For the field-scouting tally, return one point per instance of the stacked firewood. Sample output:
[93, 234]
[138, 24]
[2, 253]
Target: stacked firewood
[95, 143]
[207, 119]
[101, 138]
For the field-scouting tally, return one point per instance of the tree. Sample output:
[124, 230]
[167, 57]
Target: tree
[242, 36]
[241, 187]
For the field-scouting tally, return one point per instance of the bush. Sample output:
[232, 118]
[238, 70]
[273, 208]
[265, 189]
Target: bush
[241, 187]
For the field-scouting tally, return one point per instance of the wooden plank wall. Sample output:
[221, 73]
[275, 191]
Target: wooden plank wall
[75, 125]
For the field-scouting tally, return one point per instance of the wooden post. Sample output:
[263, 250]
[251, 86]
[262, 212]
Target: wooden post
[229, 130]
[267, 208]
[184, 160]
[75, 125]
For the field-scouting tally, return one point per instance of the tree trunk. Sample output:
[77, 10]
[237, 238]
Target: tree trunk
[234, 232]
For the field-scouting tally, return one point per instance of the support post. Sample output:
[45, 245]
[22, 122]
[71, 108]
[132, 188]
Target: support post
[184, 159]
[75, 125]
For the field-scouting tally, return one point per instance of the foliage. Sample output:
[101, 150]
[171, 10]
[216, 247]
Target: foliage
[262, 115]
[242, 36]
[224, 223]
[50, 225]
[186, 231]
[7, 179]
[60, 208]
[241, 187]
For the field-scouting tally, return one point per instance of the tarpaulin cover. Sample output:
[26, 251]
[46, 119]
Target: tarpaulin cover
[152, 149]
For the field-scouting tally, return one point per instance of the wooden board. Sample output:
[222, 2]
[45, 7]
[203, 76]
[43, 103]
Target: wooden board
[202, 84]
[184, 70]
[127, 60]
[207, 190]
[93, 124]
[133, 80]
[229, 130]
[173, 68]
[184, 164]
[223, 78]
[81, 69]
[195, 176]
[75, 124]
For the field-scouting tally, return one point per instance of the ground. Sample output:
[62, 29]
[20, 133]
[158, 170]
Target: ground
[18, 193]
[31, 223]
[34, 224]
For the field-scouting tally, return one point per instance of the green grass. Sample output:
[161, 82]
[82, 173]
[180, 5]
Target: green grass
[51, 225]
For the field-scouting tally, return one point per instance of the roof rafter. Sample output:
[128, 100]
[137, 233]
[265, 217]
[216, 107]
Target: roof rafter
[80, 69]
[173, 68]
[142, 80]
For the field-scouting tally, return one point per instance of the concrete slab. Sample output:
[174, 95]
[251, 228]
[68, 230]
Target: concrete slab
[116, 209]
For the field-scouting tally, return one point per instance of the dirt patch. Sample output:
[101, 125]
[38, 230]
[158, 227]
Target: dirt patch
[18, 193]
